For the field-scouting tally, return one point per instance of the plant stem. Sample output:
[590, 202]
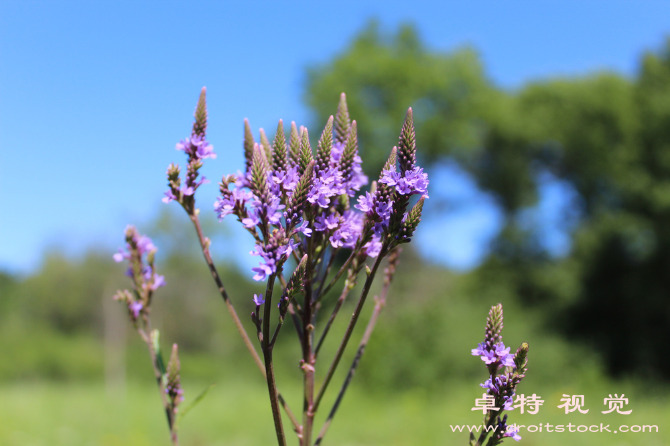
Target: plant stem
[307, 355]
[485, 432]
[322, 282]
[380, 303]
[352, 370]
[341, 271]
[159, 380]
[204, 245]
[269, 369]
[350, 327]
[338, 304]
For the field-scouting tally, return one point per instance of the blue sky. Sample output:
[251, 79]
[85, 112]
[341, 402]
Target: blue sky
[94, 95]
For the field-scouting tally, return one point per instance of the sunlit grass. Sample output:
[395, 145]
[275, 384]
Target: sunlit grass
[236, 413]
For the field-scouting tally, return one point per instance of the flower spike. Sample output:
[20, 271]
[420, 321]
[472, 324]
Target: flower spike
[279, 150]
[200, 124]
[342, 123]
[407, 144]
[248, 144]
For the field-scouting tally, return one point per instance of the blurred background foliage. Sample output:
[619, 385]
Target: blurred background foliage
[595, 314]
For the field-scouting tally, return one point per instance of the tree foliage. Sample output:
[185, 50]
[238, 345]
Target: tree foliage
[604, 138]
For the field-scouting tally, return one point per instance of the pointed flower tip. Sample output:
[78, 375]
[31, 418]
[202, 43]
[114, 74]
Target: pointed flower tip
[258, 300]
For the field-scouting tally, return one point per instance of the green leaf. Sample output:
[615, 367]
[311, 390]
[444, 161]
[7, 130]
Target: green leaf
[185, 409]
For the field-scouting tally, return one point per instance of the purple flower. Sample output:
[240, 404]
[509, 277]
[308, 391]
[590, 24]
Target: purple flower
[366, 202]
[374, 246]
[508, 431]
[304, 228]
[258, 300]
[144, 244]
[506, 359]
[251, 221]
[287, 180]
[512, 431]
[269, 212]
[358, 178]
[414, 181]
[481, 348]
[498, 386]
[226, 205]
[508, 402]
[135, 308]
[499, 353]
[489, 357]
[390, 177]
[347, 235]
[196, 147]
[262, 271]
[273, 211]
[384, 209]
[326, 185]
[275, 252]
[336, 153]
[159, 281]
[325, 222]
[169, 196]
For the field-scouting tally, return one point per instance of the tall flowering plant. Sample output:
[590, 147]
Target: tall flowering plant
[304, 207]
[506, 370]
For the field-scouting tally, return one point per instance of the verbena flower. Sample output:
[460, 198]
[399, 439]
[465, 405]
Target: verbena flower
[504, 430]
[287, 192]
[139, 253]
[412, 182]
[505, 373]
[197, 149]
[258, 300]
[498, 354]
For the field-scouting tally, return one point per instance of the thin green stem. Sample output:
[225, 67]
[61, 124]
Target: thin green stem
[331, 259]
[352, 370]
[350, 328]
[204, 245]
[159, 380]
[341, 271]
[269, 369]
[307, 362]
[331, 319]
[380, 303]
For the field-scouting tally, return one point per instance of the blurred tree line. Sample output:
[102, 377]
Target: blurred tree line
[603, 139]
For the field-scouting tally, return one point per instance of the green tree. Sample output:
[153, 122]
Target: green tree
[604, 138]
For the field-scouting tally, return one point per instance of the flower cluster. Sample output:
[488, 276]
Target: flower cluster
[197, 149]
[506, 431]
[289, 193]
[500, 387]
[140, 252]
[412, 182]
[505, 373]
[173, 388]
[273, 253]
[498, 355]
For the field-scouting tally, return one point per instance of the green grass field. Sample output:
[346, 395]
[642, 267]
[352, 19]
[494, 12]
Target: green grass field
[236, 413]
